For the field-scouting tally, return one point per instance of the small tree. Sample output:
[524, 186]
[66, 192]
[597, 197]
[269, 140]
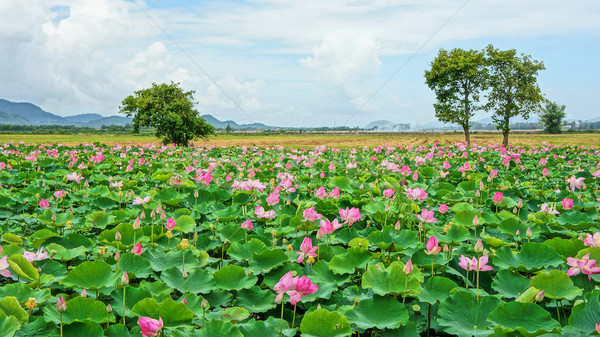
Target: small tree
[514, 89]
[228, 129]
[457, 78]
[552, 116]
[169, 109]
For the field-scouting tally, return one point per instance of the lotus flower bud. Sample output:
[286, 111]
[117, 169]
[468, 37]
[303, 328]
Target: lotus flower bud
[528, 233]
[152, 215]
[61, 305]
[163, 215]
[446, 248]
[109, 308]
[84, 293]
[185, 274]
[143, 215]
[204, 304]
[184, 300]
[515, 210]
[137, 224]
[539, 296]
[475, 220]
[125, 279]
[518, 233]
[397, 225]
[408, 267]
[117, 236]
[479, 246]
[117, 256]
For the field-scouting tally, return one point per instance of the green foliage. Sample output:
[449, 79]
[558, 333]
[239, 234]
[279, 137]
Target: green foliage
[457, 77]
[169, 109]
[513, 87]
[552, 116]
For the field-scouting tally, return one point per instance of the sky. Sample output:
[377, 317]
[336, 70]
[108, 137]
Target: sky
[285, 62]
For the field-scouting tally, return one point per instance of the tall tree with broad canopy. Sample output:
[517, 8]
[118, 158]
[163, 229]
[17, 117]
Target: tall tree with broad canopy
[168, 109]
[457, 77]
[552, 116]
[514, 90]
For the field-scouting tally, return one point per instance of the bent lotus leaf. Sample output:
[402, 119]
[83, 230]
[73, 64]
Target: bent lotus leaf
[347, 263]
[86, 328]
[324, 323]
[172, 313]
[556, 285]
[401, 239]
[233, 277]
[533, 256]
[268, 328]
[79, 309]
[8, 325]
[185, 224]
[136, 264]
[510, 284]
[91, 275]
[219, 328]
[585, 315]
[461, 314]
[170, 197]
[20, 266]
[379, 312]
[245, 251]
[132, 296]
[23, 293]
[98, 220]
[255, 299]
[235, 314]
[265, 261]
[11, 307]
[566, 247]
[524, 318]
[391, 279]
[436, 288]
[198, 281]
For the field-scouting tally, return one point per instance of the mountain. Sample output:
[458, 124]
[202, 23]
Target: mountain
[29, 114]
[111, 120]
[385, 125]
[83, 118]
[210, 119]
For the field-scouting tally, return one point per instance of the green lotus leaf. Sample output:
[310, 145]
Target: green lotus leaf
[157, 288]
[342, 183]
[408, 330]
[185, 224]
[104, 203]
[11, 238]
[39, 237]
[391, 279]
[172, 313]
[565, 247]
[437, 288]
[245, 251]
[349, 262]
[465, 218]
[586, 315]
[235, 314]
[86, 328]
[268, 328]
[378, 312]
[388, 235]
[556, 285]
[162, 261]
[321, 274]
[23, 293]
[575, 220]
[456, 234]
[462, 315]
[20, 266]
[533, 256]
[255, 299]
[170, 196]
[91, 275]
[523, 317]
[324, 323]
[11, 307]
[37, 327]
[98, 220]
[219, 298]
[64, 254]
[135, 264]
[268, 259]
[79, 309]
[233, 277]
[511, 226]
[219, 328]
[510, 284]
[132, 296]
[232, 232]
[198, 281]
[117, 330]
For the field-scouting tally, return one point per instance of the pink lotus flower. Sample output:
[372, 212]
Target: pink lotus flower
[75, 177]
[44, 204]
[305, 287]
[584, 265]
[260, 213]
[170, 224]
[545, 172]
[37, 256]
[137, 249]
[481, 265]
[311, 215]
[408, 267]
[416, 194]
[273, 199]
[575, 183]
[150, 327]
[327, 227]
[335, 193]
[427, 216]
[443, 208]
[60, 194]
[498, 197]
[247, 225]
[432, 246]
[548, 209]
[285, 284]
[389, 193]
[494, 173]
[306, 250]
[567, 203]
[466, 263]
[350, 215]
[140, 201]
[321, 193]
[592, 241]
[4, 267]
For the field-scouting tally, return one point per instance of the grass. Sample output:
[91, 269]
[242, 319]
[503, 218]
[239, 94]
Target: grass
[313, 139]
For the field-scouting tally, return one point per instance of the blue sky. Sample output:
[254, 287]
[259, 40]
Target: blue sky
[284, 62]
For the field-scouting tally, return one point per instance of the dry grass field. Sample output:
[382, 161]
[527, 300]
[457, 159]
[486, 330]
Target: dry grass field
[313, 139]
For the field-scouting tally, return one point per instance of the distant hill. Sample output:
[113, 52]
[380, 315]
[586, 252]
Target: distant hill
[112, 120]
[385, 125]
[83, 118]
[210, 119]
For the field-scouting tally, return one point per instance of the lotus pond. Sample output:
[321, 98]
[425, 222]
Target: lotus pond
[108, 240]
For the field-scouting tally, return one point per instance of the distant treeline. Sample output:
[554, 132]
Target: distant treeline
[63, 129]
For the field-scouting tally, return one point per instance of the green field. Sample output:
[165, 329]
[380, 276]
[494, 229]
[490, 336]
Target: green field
[312, 139]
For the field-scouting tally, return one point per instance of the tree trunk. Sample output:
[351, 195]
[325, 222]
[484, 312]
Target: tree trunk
[505, 140]
[506, 130]
[467, 135]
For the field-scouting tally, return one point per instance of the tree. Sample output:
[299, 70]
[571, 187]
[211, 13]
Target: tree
[169, 109]
[513, 87]
[228, 129]
[552, 116]
[457, 78]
